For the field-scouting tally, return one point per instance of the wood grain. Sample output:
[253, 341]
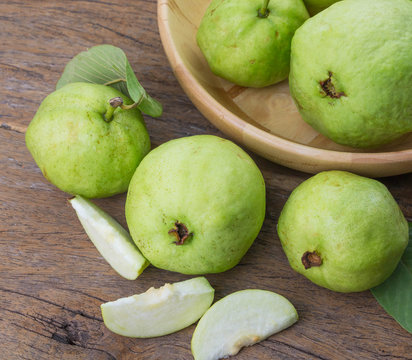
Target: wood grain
[264, 120]
[52, 280]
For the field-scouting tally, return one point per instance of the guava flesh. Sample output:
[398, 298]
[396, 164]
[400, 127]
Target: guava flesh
[158, 312]
[240, 319]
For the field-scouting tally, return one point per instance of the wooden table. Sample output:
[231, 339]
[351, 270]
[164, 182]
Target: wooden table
[52, 279]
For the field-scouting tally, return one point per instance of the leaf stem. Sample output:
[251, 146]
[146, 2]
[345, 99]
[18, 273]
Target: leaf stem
[264, 11]
[115, 81]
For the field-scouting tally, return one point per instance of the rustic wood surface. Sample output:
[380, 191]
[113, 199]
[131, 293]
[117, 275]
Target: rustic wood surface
[52, 279]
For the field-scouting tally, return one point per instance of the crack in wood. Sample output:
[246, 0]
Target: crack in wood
[297, 349]
[65, 332]
[78, 312]
[15, 128]
[82, 293]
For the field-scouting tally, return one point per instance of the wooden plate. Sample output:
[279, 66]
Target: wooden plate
[264, 120]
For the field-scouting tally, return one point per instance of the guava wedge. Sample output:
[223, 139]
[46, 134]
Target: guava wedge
[159, 312]
[241, 319]
[111, 240]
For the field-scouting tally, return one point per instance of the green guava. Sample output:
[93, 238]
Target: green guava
[343, 231]
[248, 41]
[195, 205]
[315, 6]
[240, 319]
[351, 71]
[78, 149]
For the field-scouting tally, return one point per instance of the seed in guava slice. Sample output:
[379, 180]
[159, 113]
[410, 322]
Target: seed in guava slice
[240, 319]
[343, 231]
[195, 205]
[159, 312]
[248, 41]
[111, 240]
[351, 71]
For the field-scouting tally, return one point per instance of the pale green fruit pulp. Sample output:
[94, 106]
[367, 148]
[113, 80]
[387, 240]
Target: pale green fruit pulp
[209, 185]
[159, 312]
[315, 6]
[111, 240]
[351, 223]
[246, 49]
[240, 319]
[361, 51]
[77, 150]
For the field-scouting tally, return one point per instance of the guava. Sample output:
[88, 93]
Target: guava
[248, 41]
[195, 205]
[351, 71]
[343, 231]
[159, 312]
[111, 240]
[315, 6]
[83, 145]
[241, 319]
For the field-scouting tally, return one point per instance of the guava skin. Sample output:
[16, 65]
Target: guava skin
[209, 185]
[351, 71]
[316, 6]
[350, 225]
[77, 150]
[246, 49]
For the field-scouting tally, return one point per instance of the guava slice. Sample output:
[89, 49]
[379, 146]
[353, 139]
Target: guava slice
[159, 312]
[111, 240]
[241, 319]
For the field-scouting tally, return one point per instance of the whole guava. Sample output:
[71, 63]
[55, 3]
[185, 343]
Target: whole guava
[195, 205]
[351, 71]
[343, 231]
[78, 150]
[315, 6]
[244, 46]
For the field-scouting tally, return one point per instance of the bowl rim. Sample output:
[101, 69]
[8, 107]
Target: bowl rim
[212, 108]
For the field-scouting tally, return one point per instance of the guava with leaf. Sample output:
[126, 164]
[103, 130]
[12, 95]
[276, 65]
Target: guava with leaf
[83, 144]
[343, 231]
[248, 41]
[315, 6]
[351, 71]
[195, 205]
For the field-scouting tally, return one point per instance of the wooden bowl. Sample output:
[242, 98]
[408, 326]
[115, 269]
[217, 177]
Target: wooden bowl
[264, 120]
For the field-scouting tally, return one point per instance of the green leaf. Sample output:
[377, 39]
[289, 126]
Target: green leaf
[105, 64]
[147, 104]
[395, 294]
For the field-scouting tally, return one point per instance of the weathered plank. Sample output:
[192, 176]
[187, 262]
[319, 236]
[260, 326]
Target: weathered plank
[52, 280]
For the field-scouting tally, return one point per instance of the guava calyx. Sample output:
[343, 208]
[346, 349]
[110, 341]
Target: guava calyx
[311, 259]
[181, 232]
[328, 88]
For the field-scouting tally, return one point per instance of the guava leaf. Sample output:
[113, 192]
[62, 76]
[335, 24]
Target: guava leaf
[103, 64]
[395, 294]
